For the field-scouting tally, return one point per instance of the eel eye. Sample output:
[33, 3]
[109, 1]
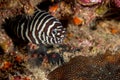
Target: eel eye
[54, 31]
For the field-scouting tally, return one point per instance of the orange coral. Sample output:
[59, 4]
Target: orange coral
[26, 78]
[6, 65]
[53, 8]
[77, 20]
[114, 31]
[18, 58]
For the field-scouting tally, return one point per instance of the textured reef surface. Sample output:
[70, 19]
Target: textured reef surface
[102, 67]
[89, 51]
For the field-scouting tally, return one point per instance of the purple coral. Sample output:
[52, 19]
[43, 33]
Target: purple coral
[85, 1]
[117, 3]
[90, 2]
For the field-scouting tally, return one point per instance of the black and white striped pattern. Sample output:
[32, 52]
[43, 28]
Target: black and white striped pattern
[40, 28]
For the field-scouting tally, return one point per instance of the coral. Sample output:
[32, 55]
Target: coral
[116, 3]
[53, 8]
[10, 8]
[89, 2]
[77, 21]
[10, 66]
[102, 67]
[92, 41]
[5, 42]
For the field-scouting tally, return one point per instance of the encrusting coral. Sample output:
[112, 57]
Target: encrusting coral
[102, 67]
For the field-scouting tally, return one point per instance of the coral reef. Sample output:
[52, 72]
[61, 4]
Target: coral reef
[89, 51]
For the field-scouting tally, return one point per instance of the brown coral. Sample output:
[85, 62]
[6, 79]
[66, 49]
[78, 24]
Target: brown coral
[102, 67]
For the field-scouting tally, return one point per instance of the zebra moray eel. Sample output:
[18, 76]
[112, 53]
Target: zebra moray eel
[41, 27]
